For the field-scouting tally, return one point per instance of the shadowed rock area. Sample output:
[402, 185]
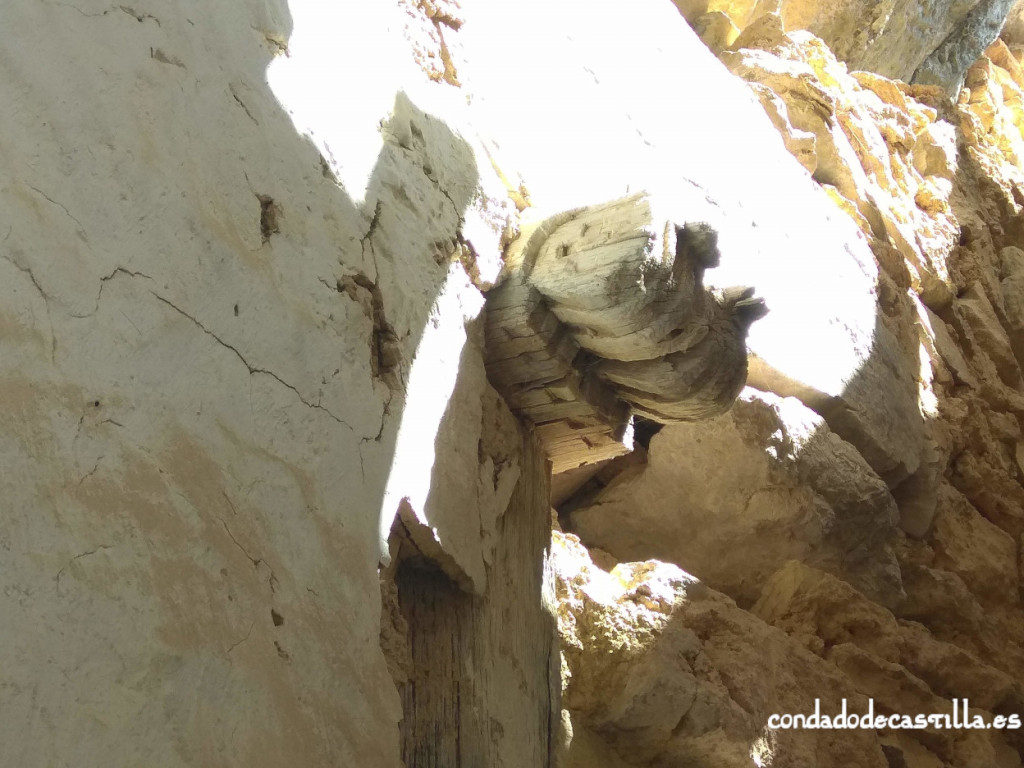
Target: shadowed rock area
[383, 383]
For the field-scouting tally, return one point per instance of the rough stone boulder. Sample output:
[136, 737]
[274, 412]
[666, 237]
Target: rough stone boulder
[658, 669]
[897, 663]
[909, 40]
[732, 498]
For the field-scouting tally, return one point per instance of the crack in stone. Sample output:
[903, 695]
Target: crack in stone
[247, 635]
[339, 288]
[443, 191]
[31, 276]
[46, 301]
[99, 294]
[100, 548]
[424, 168]
[277, 41]
[241, 103]
[366, 241]
[139, 17]
[81, 229]
[103, 281]
[123, 271]
[374, 221]
[252, 369]
[362, 467]
[83, 13]
[256, 561]
[92, 471]
[383, 420]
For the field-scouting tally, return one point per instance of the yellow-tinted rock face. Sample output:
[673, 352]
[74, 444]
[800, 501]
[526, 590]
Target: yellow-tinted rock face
[910, 40]
[936, 189]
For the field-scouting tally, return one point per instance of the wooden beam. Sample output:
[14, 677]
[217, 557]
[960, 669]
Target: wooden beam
[603, 313]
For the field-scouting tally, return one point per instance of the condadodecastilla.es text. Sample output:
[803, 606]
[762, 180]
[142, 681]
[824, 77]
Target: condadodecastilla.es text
[960, 718]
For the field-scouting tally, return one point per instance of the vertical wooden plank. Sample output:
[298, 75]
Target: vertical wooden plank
[482, 693]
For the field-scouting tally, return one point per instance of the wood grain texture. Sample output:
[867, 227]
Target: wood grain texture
[603, 313]
[483, 690]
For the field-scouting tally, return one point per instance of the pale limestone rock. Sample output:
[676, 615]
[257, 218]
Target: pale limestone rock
[900, 39]
[482, 684]
[716, 29]
[764, 32]
[948, 62]
[942, 223]
[816, 606]
[985, 334]
[668, 672]
[187, 396]
[986, 749]
[951, 671]
[898, 664]
[985, 467]
[801, 143]
[894, 690]
[759, 202]
[941, 601]
[945, 348]
[901, 749]
[580, 747]
[1011, 272]
[865, 131]
[934, 151]
[778, 485]
[967, 544]
[893, 38]
[470, 480]
[209, 347]
[1013, 29]
[875, 145]
[206, 343]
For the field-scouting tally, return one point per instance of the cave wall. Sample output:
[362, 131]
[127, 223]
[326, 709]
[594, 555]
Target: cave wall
[932, 43]
[207, 346]
[878, 527]
[258, 491]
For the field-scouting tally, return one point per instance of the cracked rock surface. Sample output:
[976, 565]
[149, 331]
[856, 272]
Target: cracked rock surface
[241, 336]
[205, 351]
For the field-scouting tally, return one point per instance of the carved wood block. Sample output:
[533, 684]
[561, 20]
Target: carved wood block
[602, 313]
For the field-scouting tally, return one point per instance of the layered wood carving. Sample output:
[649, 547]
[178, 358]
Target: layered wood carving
[603, 313]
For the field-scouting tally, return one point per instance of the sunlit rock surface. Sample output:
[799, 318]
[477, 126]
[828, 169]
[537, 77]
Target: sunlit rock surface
[765, 483]
[256, 481]
[658, 668]
[932, 43]
[933, 417]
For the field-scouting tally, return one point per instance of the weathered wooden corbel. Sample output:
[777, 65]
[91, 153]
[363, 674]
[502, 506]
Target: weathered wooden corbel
[603, 313]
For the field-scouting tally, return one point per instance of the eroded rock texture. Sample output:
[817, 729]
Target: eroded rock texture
[879, 526]
[260, 505]
[932, 43]
[207, 346]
